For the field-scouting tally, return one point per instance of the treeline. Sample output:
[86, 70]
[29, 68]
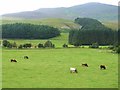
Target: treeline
[28, 31]
[47, 44]
[92, 31]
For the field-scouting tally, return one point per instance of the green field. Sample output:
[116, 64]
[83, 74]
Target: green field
[49, 68]
[58, 41]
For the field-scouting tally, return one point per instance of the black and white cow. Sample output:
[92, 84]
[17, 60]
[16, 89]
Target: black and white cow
[73, 70]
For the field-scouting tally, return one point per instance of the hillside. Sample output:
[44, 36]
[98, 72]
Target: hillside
[62, 24]
[98, 11]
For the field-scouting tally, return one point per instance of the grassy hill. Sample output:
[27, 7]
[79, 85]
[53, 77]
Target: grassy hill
[63, 24]
[113, 25]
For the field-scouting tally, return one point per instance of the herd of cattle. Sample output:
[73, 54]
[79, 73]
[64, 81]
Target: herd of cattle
[14, 60]
[72, 70]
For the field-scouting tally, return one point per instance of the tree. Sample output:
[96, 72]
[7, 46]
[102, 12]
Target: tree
[118, 50]
[9, 45]
[92, 31]
[5, 43]
[28, 31]
[53, 46]
[40, 45]
[48, 44]
[14, 45]
[20, 46]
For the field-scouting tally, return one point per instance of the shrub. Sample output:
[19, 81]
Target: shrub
[117, 49]
[5, 43]
[40, 45]
[27, 45]
[65, 45]
[94, 45]
[48, 44]
[111, 47]
[20, 46]
[14, 45]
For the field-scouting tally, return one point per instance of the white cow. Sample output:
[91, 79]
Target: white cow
[73, 70]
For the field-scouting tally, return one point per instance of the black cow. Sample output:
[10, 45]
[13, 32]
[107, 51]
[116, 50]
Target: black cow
[102, 67]
[86, 65]
[13, 60]
[26, 57]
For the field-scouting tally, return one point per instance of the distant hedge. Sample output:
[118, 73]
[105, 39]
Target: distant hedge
[28, 31]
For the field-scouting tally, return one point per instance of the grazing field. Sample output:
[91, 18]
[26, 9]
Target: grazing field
[49, 68]
[58, 41]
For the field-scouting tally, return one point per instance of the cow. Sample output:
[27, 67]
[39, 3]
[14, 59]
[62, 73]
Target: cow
[13, 60]
[26, 57]
[86, 65]
[102, 67]
[73, 70]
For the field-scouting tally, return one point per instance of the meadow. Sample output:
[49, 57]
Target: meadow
[49, 68]
[58, 41]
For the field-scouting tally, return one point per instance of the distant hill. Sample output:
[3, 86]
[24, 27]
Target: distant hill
[97, 11]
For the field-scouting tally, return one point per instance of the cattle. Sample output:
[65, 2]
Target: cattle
[26, 57]
[102, 67]
[73, 70]
[13, 60]
[85, 65]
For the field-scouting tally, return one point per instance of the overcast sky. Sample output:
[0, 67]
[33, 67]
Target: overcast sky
[12, 6]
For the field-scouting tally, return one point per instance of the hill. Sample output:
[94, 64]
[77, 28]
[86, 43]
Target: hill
[63, 24]
[98, 11]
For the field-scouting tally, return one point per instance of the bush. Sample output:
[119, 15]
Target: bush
[94, 45]
[20, 46]
[5, 43]
[53, 46]
[111, 47]
[65, 46]
[9, 45]
[40, 45]
[14, 45]
[27, 45]
[117, 49]
[49, 44]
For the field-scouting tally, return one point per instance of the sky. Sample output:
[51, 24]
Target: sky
[13, 6]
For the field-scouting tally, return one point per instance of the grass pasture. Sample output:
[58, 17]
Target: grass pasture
[58, 41]
[49, 68]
